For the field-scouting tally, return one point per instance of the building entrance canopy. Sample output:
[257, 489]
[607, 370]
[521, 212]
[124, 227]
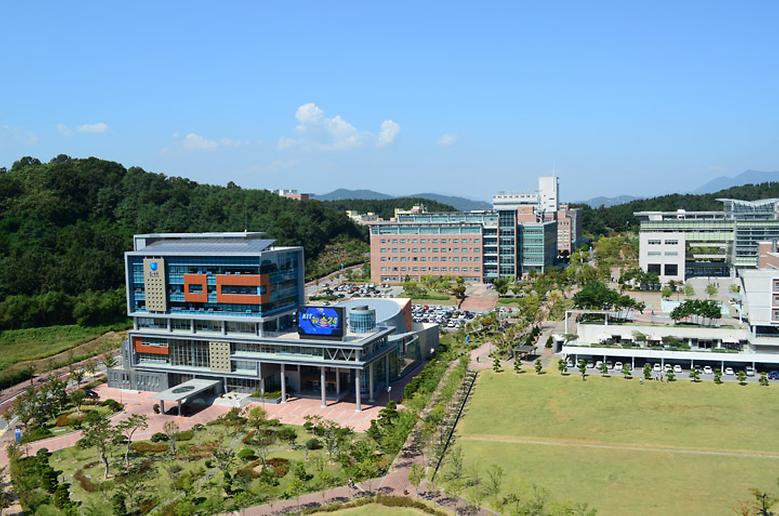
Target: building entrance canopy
[185, 390]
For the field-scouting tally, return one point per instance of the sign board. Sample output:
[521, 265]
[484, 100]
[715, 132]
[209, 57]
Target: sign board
[321, 322]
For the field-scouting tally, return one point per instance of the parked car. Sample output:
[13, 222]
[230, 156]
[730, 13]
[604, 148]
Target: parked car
[750, 371]
[610, 364]
[773, 375]
[590, 365]
[677, 369]
[729, 371]
[598, 364]
[668, 368]
[708, 370]
[657, 368]
[618, 366]
[569, 363]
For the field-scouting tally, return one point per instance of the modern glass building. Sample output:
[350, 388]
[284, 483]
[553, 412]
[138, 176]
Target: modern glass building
[221, 307]
[682, 244]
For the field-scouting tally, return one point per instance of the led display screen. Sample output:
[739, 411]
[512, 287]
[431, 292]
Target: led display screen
[324, 322]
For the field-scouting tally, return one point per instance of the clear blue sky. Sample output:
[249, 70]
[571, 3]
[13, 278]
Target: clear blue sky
[400, 97]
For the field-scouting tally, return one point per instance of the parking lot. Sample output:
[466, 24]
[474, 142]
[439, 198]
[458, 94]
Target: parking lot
[447, 317]
[349, 290]
[706, 370]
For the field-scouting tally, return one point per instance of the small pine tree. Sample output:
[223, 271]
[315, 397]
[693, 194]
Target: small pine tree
[718, 376]
[742, 378]
[604, 369]
[496, 364]
[763, 379]
[517, 365]
[538, 366]
[627, 370]
[647, 372]
[670, 375]
[695, 375]
[562, 366]
[583, 368]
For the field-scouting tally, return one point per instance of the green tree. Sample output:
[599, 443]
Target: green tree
[77, 375]
[501, 285]
[695, 375]
[171, 429]
[582, 366]
[604, 369]
[742, 377]
[718, 376]
[128, 427]
[666, 292]
[562, 366]
[109, 361]
[627, 371]
[458, 290]
[496, 367]
[517, 365]
[415, 476]
[99, 433]
[538, 366]
[711, 290]
[763, 379]
[670, 375]
[689, 290]
[647, 372]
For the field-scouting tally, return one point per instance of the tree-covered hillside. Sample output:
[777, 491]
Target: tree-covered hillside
[385, 208]
[601, 220]
[65, 224]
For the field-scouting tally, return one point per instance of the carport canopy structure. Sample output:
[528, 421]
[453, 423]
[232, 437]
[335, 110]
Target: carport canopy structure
[181, 392]
[523, 350]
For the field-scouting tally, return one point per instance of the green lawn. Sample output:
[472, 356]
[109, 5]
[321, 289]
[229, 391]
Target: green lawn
[547, 423]
[34, 343]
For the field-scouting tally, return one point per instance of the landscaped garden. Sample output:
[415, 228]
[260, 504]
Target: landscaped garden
[618, 445]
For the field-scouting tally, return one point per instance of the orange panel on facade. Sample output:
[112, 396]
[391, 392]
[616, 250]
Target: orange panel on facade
[140, 347]
[242, 280]
[196, 279]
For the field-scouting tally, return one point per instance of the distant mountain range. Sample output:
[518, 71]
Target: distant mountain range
[752, 177]
[749, 177]
[460, 203]
[465, 204]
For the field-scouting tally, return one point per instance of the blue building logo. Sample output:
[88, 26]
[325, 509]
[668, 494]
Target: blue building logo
[153, 266]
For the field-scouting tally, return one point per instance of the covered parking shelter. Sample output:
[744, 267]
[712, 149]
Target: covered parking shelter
[183, 392]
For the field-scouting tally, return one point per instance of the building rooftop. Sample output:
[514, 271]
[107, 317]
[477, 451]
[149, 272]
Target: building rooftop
[208, 246]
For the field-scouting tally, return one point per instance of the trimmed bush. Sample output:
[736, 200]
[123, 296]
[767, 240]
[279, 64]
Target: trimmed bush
[314, 444]
[186, 435]
[280, 466]
[114, 405]
[85, 482]
[159, 437]
[247, 454]
[147, 447]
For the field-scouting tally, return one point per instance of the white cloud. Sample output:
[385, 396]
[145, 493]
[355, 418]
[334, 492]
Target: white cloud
[98, 128]
[387, 133]
[447, 140]
[318, 131]
[64, 130]
[12, 136]
[193, 142]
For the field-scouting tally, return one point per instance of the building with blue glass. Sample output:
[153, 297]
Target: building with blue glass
[222, 307]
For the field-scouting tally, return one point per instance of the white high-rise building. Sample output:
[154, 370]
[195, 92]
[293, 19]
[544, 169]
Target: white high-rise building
[548, 194]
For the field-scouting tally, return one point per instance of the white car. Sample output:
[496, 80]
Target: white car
[569, 363]
[598, 364]
[618, 366]
[668, 368]
[677, 369]
[729, 371]
[610, 364]
[708, 370]
[657, 368]
[750, 371]
[590, 365]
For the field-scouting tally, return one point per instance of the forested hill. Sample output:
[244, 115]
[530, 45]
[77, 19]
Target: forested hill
[65, 224]
[385, 208]
[604, 220]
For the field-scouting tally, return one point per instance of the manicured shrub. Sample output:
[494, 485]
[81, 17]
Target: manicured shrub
[247, 454]
[198, 427]
[314, 444]
[114, 405]
[280, 466]
[85, 482]
[147, 447]
[186, 435]
[159, 437]
[62, 420]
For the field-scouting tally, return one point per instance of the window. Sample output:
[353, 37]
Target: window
[671, 242]
[671, 269]
[653, 253]
[671, 253]
[653, 242]
[654, 268]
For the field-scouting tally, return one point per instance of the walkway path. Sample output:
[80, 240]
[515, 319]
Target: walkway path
[574, 443]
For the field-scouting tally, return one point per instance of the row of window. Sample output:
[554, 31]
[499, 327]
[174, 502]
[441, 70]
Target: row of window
[669, 269]
[431, 269]
[658, 253]
[430, 240]
[433, 259]
[658, 242]
[416, 250]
